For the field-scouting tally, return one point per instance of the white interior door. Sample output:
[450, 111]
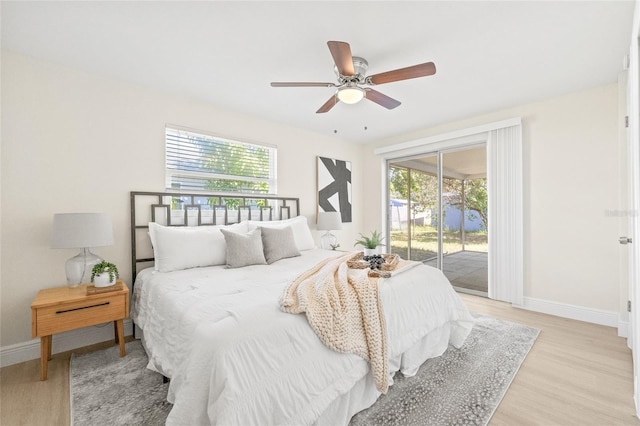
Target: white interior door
[633, 238]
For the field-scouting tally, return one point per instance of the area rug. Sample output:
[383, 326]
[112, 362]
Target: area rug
[463, 386]
[109, 390]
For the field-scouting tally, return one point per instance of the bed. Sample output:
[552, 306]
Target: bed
[231, 353]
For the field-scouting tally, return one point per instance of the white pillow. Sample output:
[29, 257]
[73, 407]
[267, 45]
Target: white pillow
[299, 226]
[244, 249]
[183, 247]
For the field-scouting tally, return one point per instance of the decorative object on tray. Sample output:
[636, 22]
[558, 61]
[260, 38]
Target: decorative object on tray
[379, 265]
[358, 261]
[375, 266]
[371, 243]
[329, 221]
[335, 246]
[104, 274]
[81, 230]
[92, 289]
[334, 187]
[375, 261]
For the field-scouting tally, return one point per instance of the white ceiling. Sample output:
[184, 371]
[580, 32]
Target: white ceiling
[463, 163]
[489, 54]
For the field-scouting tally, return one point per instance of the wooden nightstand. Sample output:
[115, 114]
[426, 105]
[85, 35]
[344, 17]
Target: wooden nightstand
[59, 309]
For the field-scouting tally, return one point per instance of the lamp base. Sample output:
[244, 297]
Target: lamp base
[327, 240]
[79, 267]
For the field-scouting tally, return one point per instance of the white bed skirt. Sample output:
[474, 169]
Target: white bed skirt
[364, 394]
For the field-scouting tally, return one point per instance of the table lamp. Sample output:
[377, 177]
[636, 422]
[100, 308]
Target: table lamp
[329, 221]
[81, 230]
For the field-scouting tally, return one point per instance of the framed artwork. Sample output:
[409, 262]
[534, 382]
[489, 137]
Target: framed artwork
[334, 187]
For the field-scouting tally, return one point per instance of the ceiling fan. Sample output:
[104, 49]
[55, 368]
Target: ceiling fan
[351, 73]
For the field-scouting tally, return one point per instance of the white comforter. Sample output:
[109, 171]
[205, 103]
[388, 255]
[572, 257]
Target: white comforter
[235, 358]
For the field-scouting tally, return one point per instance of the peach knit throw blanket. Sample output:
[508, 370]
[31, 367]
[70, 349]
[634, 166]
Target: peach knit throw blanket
[343, 308]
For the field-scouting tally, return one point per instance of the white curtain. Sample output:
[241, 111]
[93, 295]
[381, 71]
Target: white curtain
[504, 182]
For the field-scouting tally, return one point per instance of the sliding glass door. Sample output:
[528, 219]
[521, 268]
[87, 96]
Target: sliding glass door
[438, 214]
[413, 209]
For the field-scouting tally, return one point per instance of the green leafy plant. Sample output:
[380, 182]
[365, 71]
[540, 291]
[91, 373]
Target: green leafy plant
[371, 242]
[102, 267]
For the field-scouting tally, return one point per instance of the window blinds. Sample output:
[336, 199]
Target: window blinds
[197, 161]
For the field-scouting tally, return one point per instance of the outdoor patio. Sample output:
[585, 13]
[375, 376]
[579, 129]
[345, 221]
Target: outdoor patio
[466, 270]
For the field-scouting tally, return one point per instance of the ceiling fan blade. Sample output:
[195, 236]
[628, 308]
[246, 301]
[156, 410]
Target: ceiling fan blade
[415, 71]
[341, 53]
[328, 105]
[381, 99]
[301, 84]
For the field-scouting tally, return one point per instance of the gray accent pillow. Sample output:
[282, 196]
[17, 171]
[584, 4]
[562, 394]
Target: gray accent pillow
[278, 243]
[244, 249]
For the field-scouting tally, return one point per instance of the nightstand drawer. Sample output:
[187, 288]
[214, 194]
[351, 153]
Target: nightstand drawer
[69, 316]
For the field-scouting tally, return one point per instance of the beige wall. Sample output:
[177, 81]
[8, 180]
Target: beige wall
[78, 142]
[61, 126]
[571, 178]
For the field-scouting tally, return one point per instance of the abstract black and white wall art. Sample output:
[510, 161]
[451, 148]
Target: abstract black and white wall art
[334, 187]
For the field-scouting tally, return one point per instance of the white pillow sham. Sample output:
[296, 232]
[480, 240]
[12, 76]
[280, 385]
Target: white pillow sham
[299, 226]
[183, 247]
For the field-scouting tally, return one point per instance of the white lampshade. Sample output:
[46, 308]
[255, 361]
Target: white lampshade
[329, 221]
[81, 230]
[350, 94]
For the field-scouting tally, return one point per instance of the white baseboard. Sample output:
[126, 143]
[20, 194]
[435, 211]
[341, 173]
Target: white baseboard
[26, 351]
[580, 313]
[623, 328]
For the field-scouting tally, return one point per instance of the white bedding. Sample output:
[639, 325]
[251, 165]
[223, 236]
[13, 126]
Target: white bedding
[235, 358]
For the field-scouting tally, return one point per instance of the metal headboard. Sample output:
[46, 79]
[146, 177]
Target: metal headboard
[198, 209]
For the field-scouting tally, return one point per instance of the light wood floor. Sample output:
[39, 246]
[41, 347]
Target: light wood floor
[576, 374]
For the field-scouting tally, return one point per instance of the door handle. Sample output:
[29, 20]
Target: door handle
[625, 240]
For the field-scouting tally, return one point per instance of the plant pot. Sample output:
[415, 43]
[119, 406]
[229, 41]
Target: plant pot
[102, 280]
[369, 252]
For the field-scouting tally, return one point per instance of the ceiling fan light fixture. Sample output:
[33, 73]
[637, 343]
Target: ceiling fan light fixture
[350, 94]
[351, 73]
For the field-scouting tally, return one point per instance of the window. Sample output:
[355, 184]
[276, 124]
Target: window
[196, 161]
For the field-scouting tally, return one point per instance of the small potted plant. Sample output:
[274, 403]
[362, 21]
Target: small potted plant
[104, 274]
[371, 243]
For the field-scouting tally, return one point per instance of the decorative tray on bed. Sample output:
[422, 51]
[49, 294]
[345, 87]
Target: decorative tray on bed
[389, 264]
